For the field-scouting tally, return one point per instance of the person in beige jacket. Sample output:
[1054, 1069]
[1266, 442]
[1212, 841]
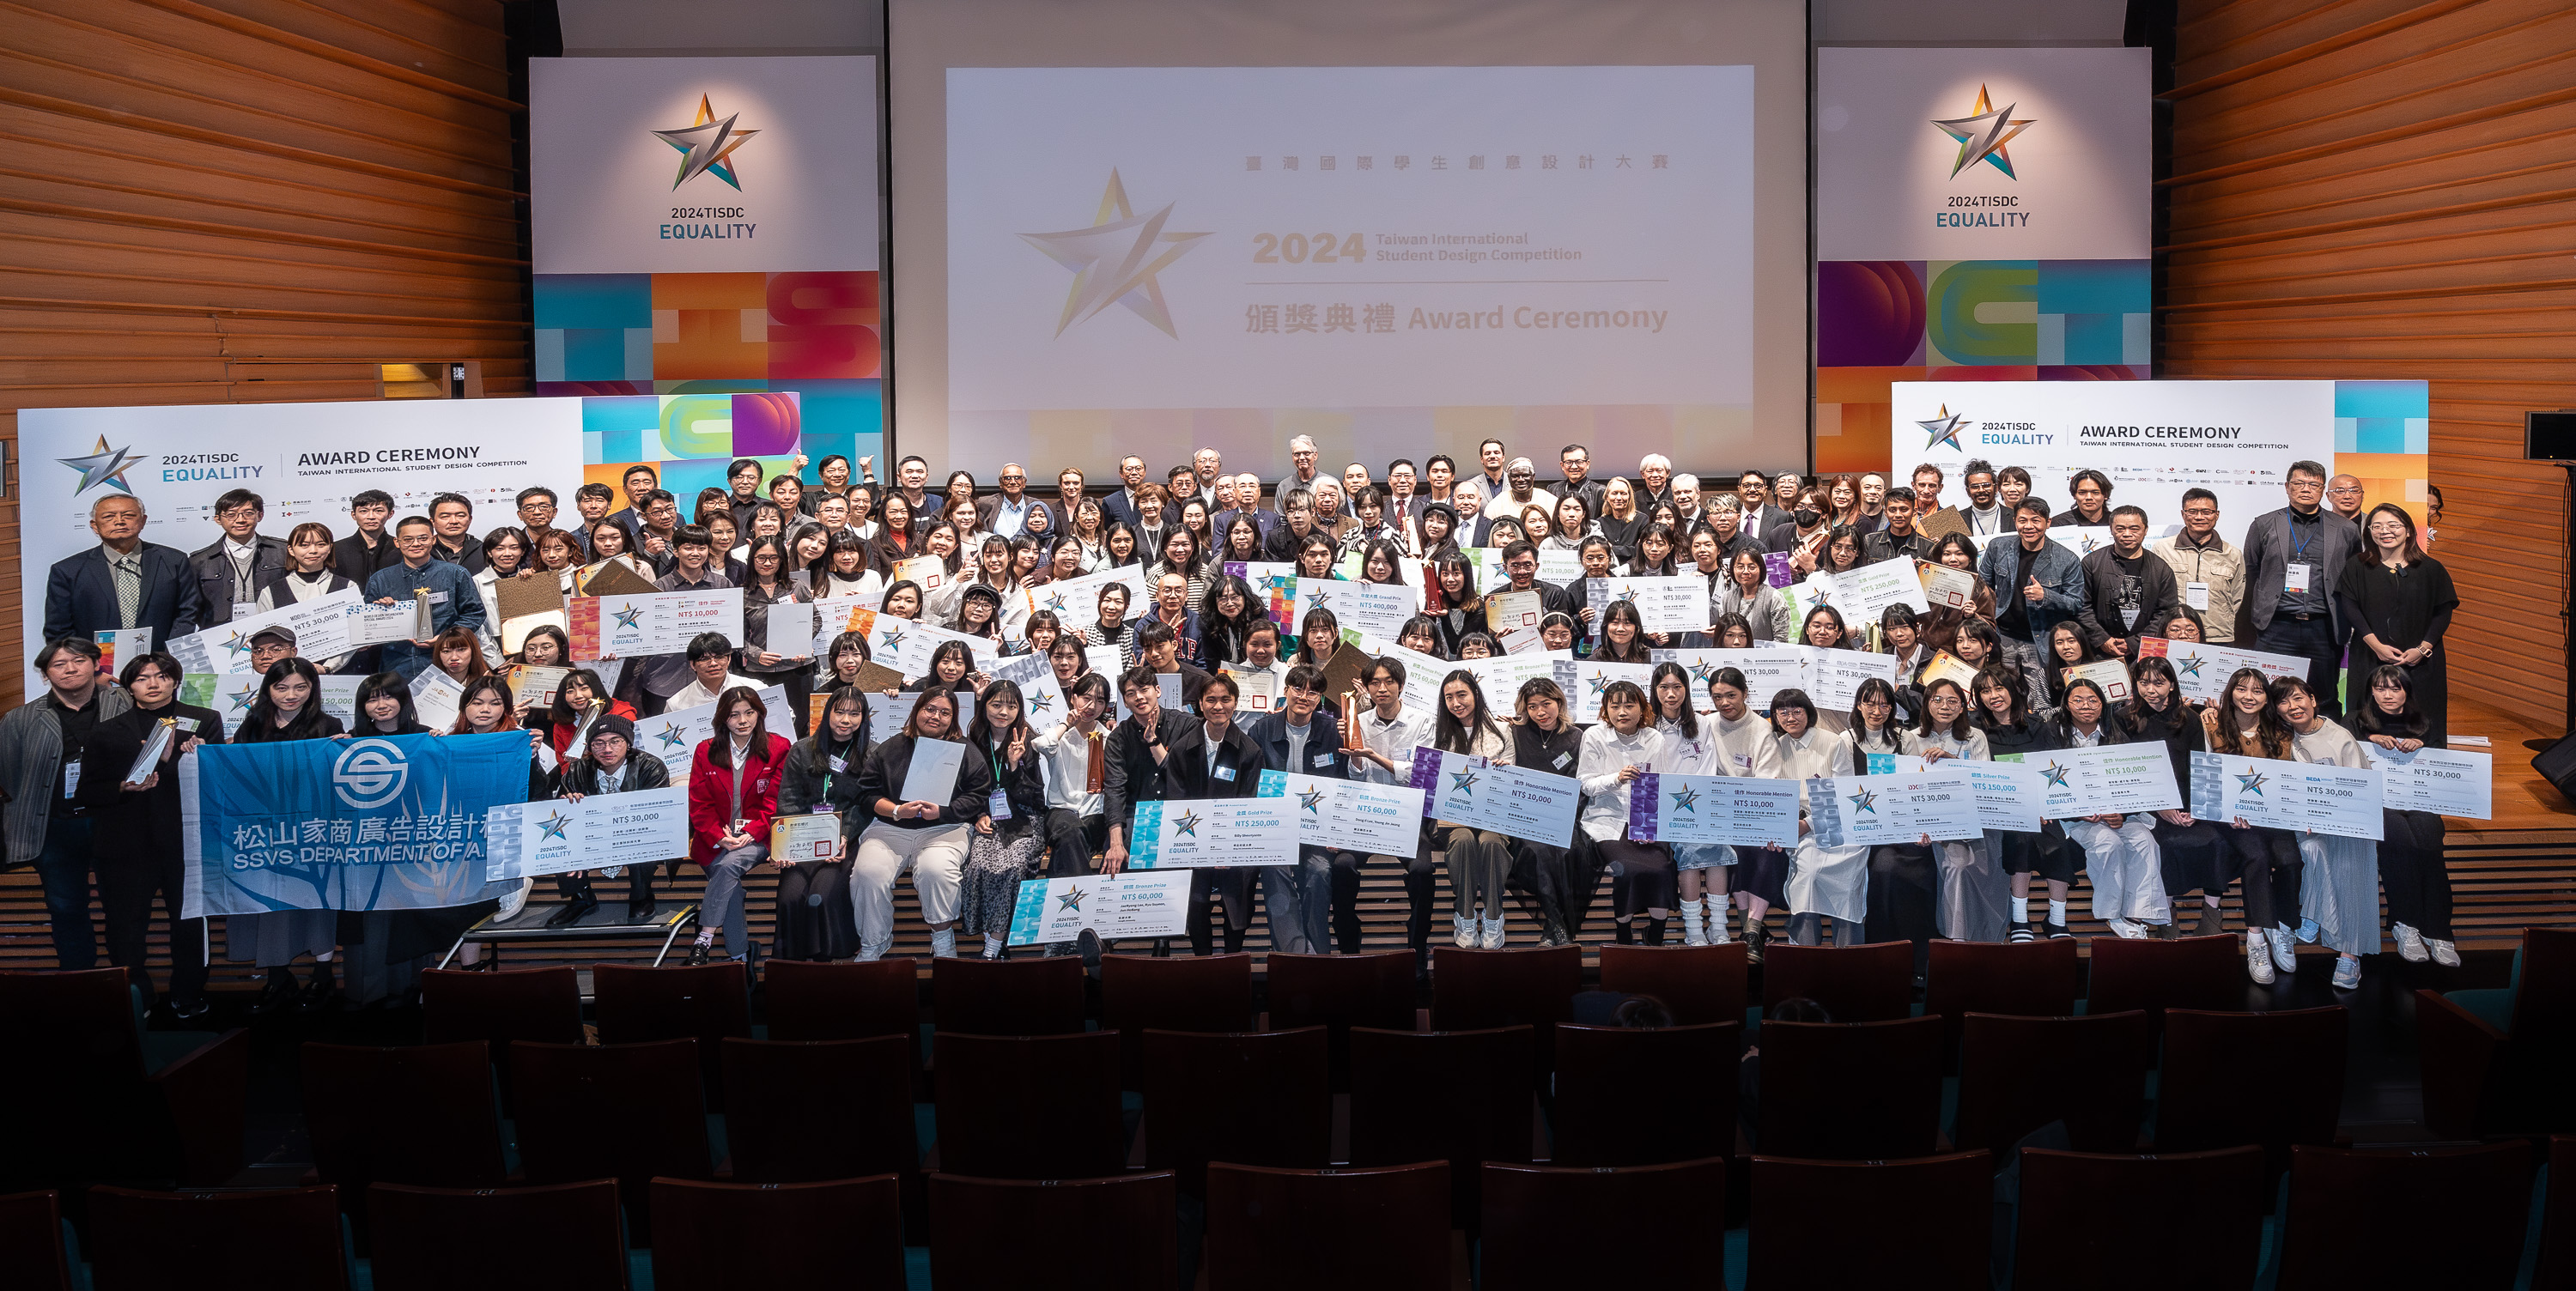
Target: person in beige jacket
[2210, 569]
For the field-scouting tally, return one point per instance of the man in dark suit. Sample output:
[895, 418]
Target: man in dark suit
[1305, 738]
[87, 593]
[1007, 512]
[1218, 759]
[1120, 505]
[1247, 502]
[231, 569]
[639, 481]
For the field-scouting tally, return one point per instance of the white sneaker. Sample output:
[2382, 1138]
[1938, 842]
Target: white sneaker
[2125, 929]
[2410, 944]
[515, 902]
[943, 944]
[1717, 934]
[2347, 973]
[2258, 957]
[871, 952]
[992, 946]
[2444, 953]
[1493, 935]
[2285, 949]
[1466, 933]
[1693, 933]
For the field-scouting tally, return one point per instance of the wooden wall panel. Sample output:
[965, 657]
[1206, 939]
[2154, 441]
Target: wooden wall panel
[2387, 188]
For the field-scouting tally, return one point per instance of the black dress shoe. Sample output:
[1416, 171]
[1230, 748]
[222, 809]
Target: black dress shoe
[278, 994]
[189, 1011]
[572, 912]
[640, 909]
[701, 953]
[321, 993]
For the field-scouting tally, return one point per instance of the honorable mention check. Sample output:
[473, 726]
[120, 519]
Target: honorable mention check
[1736, 810]
[1512, 801]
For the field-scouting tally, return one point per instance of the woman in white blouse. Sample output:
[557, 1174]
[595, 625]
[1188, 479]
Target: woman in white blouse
[2339, 886]
[2120, 852]
[1976, 894]
[1690, 749]
[1614, 751]
[1822, 880]
[308, 577]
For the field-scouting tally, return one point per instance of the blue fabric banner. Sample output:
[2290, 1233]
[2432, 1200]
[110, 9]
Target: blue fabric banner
[382, 823]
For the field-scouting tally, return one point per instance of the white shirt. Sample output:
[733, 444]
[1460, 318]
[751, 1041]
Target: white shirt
[696, 693]
[1605, 799]
[1689, 754]
[1065, 756]
[1746, 746]
[1396, 739]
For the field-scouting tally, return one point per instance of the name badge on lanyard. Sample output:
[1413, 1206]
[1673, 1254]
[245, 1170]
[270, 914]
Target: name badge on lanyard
[999, 805]
[2294, 577]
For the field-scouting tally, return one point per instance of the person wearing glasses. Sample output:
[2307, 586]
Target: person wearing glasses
[231, 569]
[1007, 513]
[2209, 569]
[453, 600]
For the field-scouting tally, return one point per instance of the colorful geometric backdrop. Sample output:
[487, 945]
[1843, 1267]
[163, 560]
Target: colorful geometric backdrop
[688, 371]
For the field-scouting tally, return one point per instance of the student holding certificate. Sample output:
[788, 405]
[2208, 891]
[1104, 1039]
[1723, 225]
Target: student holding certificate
[1974, 889]
[2190, 848]
[1822, 879]
[815, 918]
[2339, 890]
[1743, 744]
[2410, 859]
[2119, 851]
[136, 844]
[2269, 859]
[1479, 860]
[1690, 750]
[929, 833]
[1009, 843]
[1896, 871]
[1076, 761]
[1386, 734]
[2014, 732]
[1217, 758]
[1544, 738]
[1613, 753]
[733, 793]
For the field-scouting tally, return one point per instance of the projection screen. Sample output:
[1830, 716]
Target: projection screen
[1150, 226]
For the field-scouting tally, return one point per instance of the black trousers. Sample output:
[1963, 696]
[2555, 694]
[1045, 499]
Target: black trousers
[1544, 875]
[1421, 885]
[1904, 899]
[2267, 860]
[2192, 855]
[1234, 887]
[639, 884]
[1072, 840]
[2411, 872]
[126, 888]
[2313, 640]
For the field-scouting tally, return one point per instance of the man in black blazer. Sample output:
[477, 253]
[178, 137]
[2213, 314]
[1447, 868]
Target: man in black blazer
[1119, 507]
[1305, 738]
[231, 569]
[81, 591]
[1218, 759]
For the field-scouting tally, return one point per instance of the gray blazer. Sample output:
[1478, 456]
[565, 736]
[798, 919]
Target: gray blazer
[1767, 611]
[31, 748]
[2267, 560]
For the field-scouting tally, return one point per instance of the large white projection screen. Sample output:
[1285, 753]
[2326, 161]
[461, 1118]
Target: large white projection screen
[1149, 226]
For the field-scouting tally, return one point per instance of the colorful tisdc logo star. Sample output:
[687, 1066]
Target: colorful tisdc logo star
[1943, 429]
[237, 643]
[1686, 800]
[2190, 665]
[671, 735]
[893, 638]
[553, 825]
[631, 616]
[243, 696]
[1312, 800]
[1041, 703]
[1462, 782]
[1703, 670]
[707, 145]
[1322, 599]
[2250, 784]
[1115, 260]
[2056, 775]
[1982, 135]
[1599, 680]
[1186, 825]
[1865, 801]
[1070, 900]
[1054, 603]
[105, 466]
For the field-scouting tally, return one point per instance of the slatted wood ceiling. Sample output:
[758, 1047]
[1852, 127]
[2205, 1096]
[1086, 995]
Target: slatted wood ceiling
[2387, 188]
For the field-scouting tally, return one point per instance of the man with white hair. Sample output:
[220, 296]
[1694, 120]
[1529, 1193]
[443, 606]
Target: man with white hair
[1656, 472]
[1520, 489]
[1686, 507]
[1469, 500]
[1247, 502]
[1302, 456]
[1209, 465]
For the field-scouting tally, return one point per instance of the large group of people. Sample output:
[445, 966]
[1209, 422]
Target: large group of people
[2351, 592]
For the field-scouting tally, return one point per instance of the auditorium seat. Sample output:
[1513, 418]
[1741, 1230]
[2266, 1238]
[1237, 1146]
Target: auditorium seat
[421, 1114]
[1697, 983]
[1183, 993]
[121, 1103]
[2273, 1079]
[2495, 1060]
[2086, 1218]
[1543, 1226]
[1382, 1229]
[842, 1000]
[1926, 1222]
[638, 1004]
[2557, 1270]
[1850, 1090]
[2204, 973]
[2017, 1074]
[31, 1241]
[277, 1239]
[993, 997]
[1873, 983]
[2032, 979]
[721, 1236]
[1339, 992]
[1643, 1096]
[807, 1111]
[560, 1237]
[1473, 990]
[2447, 1217]
[1107, 1234]
[1029, 1107]
[629, 1112]
[540, 1004]
[1253, 1097]
[1459, 1096]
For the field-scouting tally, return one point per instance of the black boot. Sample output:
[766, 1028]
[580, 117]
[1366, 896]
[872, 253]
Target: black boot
[1654, 932]
[322, 992]
[1757, 934]
[1623, 936]
[573, 910]
[279, 993]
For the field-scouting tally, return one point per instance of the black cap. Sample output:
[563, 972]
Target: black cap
[612, 724]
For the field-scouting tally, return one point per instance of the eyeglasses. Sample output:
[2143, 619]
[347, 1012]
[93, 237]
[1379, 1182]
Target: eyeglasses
[237, 513]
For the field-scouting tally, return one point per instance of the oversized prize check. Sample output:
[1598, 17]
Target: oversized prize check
[1885, 810]
[2203, 668]
[1767, 670]
[1112, 906]
[1422, 673]
[1834, 676]
[832, 618]
[1379, 609]
[2108, 780]
[631, 627]
[2447, 782]
[1274, 588]
[1350, 815]
[1075, 602]
[1195, 833]
[2007, 793]
[1584, 681]
[1514, 802]
[674, 736]
[557, 836]
[1500, 676]
[1735, 810]
[321, 628]
[1668, 604]
[1865, 593]
[1042, 700]
[2314, 797]
[906, 645]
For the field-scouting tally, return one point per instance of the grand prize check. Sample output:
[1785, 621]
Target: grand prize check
[601, 830]
[658, 623]
[1865, 593]
[2203, 668]
[2445, 781]
[1584, 682]
[1350, 815]
[2108, 780]
[2315, 797]
[1675, 604]
[1736, 810]
[1194, 833]
[1767, 670]
[320, 627]
[1379, 609]
[1514, 802]
[1112, 906]
[1876, 810]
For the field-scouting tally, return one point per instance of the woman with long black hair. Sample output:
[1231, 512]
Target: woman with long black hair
[289, 707]
[1615, 752]
[2244, 723]
[1479, 860]
[815, 920]
[136, 845]
[2392, 725]
[2189, 848]
[777, 628]
[1226, 617]
[1009, 846]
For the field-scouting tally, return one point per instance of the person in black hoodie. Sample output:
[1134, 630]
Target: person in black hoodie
[2003, 710]
[815, 919]
[137, 845]
[2157, 711]
[611, 764]
[1215, 758]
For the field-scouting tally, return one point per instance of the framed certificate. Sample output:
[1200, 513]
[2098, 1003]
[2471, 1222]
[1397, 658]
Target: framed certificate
[813, 836]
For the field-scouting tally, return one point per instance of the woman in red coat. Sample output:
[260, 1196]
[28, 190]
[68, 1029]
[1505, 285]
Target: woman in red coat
[733, 791]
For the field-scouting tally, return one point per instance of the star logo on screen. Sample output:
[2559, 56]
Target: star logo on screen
[1866, 801]
[1186, 825]
[2056, 775]
[105, 466]
[1686, 800]
[1982, 135]
[1462, 782]
[1943, 429]
[707, 145]
[1070, 900]
[1312, 800]
[553, 825]
[1115, 260]
[671, 736]
[629, 617]
[2250, 784]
